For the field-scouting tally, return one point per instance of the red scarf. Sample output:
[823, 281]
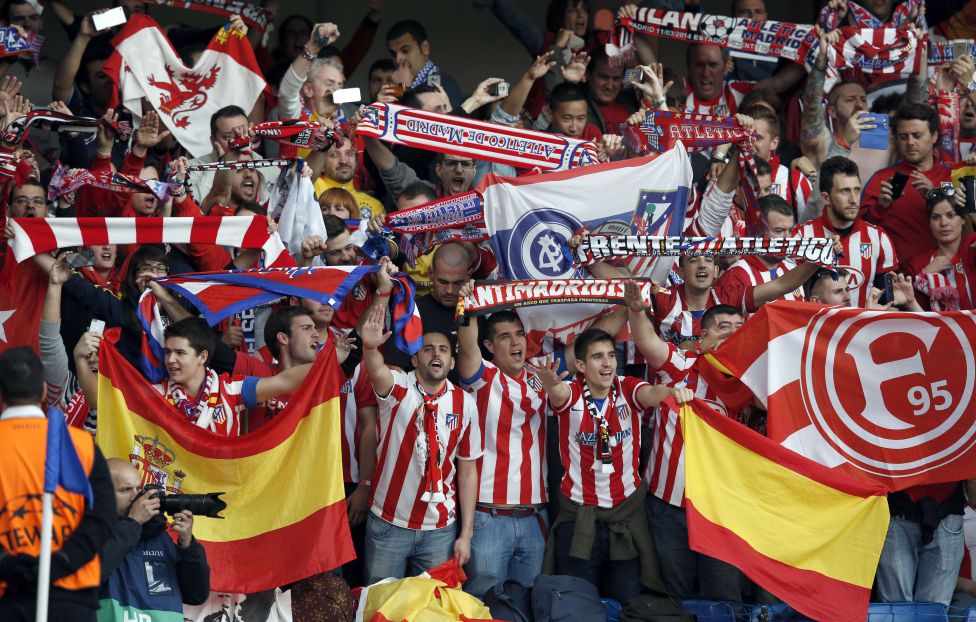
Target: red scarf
[431, 452]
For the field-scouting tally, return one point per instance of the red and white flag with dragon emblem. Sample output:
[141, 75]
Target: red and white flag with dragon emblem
[145, 64]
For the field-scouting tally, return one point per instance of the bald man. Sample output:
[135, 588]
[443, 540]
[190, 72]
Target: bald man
[142, 569]
[453, 265]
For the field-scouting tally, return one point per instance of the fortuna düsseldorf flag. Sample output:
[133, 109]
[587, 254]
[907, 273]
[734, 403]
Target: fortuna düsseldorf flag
[145, 64]
[879, 394]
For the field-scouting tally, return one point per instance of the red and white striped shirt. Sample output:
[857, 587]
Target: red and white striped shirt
[356, 393]
[961, 277]
[512, 419]
[737, 282]
[793, 186]
[399, 474]
[578, 442]
[725, 105]
[665, 470]
[235, 394]
[675, 321]
[868, 252]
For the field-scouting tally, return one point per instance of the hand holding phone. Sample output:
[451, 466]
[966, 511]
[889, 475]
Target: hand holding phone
[898, 181]
[97, 327]
[874, 137]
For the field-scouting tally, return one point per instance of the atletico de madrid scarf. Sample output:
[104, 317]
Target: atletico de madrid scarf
[468, 138]
[457, 218]
[597, 248]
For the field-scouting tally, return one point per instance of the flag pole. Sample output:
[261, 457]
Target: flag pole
[44, 563]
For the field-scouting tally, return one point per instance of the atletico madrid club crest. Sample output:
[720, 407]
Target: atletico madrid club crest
[867, 250]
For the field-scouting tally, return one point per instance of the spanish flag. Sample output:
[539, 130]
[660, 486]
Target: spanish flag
[286, 512]
[808, 534]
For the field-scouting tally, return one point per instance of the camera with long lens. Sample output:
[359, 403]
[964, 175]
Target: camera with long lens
[209, 504]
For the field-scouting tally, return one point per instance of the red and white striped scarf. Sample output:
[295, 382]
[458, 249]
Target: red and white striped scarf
[862, 18]
[468, 138]
[256, 17]
[295, 133]
[872, 50]
[64, 181]
[14, 168]
[45, 119]
[40, 235]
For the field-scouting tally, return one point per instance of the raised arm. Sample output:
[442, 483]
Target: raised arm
[469, 359]
[284, 383]
[655, 351]
[815, 138]
[70, 63]
[790, 281]
[651, 396]
[552, 382]
[374, 335]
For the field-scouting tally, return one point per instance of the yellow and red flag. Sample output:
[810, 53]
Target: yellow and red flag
[807, 533]
[286, 512]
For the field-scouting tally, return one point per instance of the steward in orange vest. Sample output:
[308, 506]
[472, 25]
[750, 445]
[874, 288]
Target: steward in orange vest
[80, 530]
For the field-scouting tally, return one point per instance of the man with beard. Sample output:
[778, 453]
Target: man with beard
[510, 523]
[226, 124]
[739, 282]
[143, 570]
[868, 251]
[428, 435]
[903, 216]
[846, 107]
[338, 172]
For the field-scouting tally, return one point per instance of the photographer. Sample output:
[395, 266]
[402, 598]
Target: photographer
[142, 569]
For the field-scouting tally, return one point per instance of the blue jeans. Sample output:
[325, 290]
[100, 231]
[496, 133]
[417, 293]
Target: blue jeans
[504, 547]
[911, 571]
[680, 566]
[389, 549]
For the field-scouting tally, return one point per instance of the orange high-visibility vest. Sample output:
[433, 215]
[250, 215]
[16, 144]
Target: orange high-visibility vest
[23, 446]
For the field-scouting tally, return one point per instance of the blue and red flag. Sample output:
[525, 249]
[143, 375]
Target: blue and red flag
[218, 295]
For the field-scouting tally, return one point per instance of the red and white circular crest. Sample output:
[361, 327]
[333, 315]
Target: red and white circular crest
[890, 391]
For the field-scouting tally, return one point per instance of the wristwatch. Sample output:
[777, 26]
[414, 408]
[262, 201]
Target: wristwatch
[365, 482]
[720, 158]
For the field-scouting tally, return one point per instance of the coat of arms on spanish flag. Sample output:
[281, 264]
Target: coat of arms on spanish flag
[286, 511]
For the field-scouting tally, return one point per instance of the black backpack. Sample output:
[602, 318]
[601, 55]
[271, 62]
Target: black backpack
[654, 608]
[561, 598]
[510, 601]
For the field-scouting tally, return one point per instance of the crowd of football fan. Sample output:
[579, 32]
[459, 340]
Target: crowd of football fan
[520, 439]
